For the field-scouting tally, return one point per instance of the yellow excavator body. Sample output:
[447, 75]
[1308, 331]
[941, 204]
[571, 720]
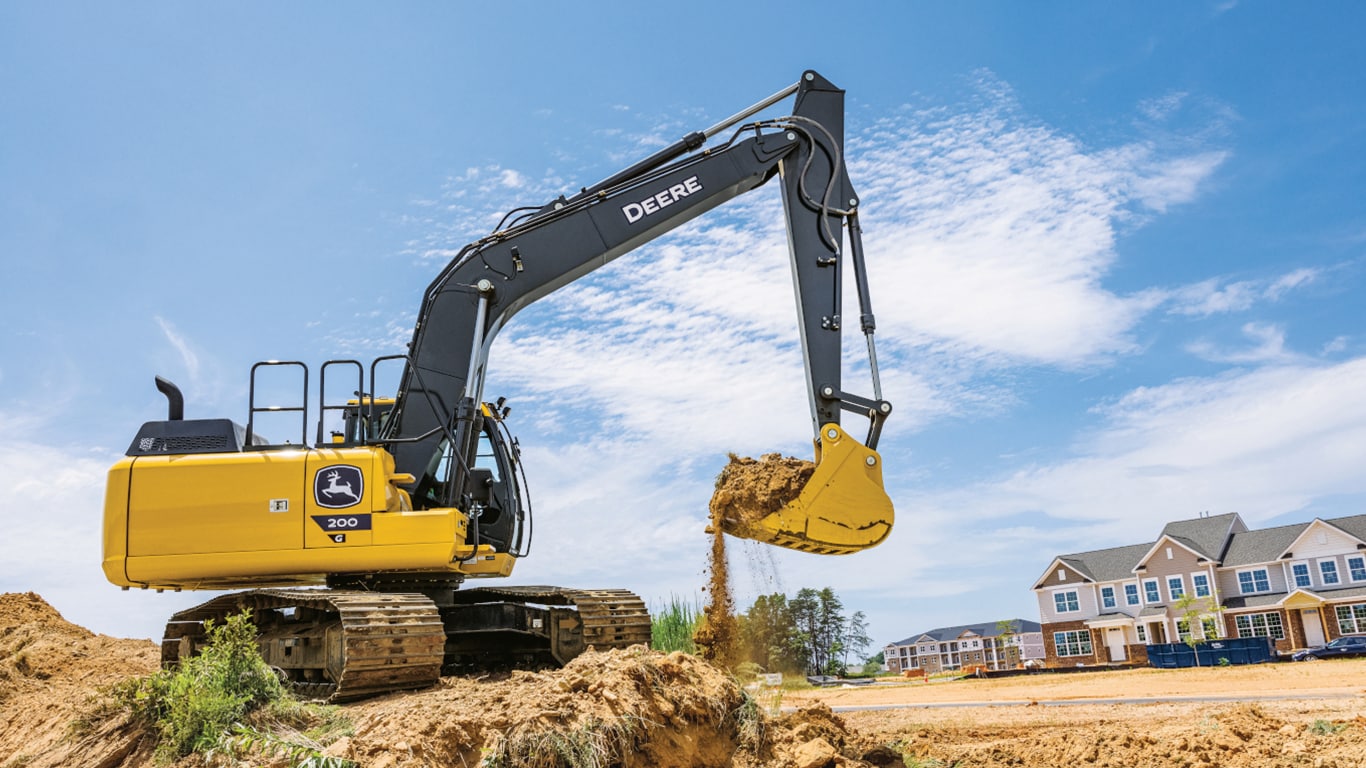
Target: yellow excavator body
[843, 508]
[276, 517]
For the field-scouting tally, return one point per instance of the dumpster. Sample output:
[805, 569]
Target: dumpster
[1237, 650]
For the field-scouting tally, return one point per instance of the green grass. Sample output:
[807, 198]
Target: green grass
[672, 627]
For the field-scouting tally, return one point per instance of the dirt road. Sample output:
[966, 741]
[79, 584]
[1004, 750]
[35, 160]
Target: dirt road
[1346, 677]
[1015, 730]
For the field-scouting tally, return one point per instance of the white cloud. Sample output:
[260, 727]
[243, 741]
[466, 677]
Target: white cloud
[1214, 296]
[1268, 347]
[188, 357]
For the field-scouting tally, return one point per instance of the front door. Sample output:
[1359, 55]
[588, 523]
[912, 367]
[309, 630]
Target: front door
[1313, 628]
[1157, 633]
[1114, 640]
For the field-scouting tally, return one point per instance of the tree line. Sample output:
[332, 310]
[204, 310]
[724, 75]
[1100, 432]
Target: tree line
[808, 633]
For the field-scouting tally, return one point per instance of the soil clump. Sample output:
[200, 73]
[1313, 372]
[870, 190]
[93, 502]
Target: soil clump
[748, 490]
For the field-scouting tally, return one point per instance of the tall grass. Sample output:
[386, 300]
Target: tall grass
[672, 626]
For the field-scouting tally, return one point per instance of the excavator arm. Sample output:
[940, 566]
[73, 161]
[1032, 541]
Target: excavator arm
[435, 426]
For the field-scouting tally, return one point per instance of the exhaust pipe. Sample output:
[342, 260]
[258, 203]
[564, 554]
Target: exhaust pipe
[175, 402]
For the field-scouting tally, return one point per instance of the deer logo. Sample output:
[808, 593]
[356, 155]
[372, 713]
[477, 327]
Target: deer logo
[338, 486]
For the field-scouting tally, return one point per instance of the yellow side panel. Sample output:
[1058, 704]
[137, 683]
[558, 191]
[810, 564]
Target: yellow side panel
[228, 520]
[115, 541]
[216, 502]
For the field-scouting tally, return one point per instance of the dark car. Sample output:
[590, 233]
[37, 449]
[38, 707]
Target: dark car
[1347, 645]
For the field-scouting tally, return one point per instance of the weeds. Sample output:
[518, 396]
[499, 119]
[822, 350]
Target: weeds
[301, 753]
[751, 726]
[1325, 728]
[224, 702]
[593, 743]
[672, 628]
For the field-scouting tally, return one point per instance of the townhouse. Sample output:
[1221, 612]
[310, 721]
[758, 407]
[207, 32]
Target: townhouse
[1210, 577]
[948, 649]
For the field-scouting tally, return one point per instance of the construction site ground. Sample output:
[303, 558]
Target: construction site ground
[651, 709]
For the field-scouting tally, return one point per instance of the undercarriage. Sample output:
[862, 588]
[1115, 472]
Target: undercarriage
[339, 645]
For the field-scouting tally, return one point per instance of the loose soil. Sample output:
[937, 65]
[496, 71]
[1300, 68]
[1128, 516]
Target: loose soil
[748, 490]
[636, 708]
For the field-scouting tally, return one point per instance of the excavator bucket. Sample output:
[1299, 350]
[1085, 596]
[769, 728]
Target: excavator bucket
[842, 509]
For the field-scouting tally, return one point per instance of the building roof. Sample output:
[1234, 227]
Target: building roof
[1261, 546]
[1110, 564]
[1205, 535]
[1223, 539]
[987, 629]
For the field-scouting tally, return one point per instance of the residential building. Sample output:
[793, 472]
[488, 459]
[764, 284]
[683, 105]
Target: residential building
[1300, 584]
[970, 645]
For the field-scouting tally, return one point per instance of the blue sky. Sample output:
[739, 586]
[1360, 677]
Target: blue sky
[1116, 252]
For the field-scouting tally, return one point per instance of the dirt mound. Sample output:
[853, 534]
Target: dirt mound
[49, 668]
[630, 708]
[748, 490]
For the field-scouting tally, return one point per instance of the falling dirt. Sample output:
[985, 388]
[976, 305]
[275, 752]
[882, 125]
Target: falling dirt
[718, 634]
[747, 490]
[634, 708]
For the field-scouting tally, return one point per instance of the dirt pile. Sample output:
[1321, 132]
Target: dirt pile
[49, 668]
[628, 708]
[748, 490]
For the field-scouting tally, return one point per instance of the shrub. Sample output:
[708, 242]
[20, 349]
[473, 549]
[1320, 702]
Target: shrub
[201, 705]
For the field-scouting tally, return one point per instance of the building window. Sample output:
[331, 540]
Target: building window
[1328, 569]
[1131, 594]
[1201, 583]
[1142, 633]
[1209, 627]
[1351, 619]
[1076, 643]
[1107, 597]
[1063, 602]
[1150, 592]
[1301, 573]
[1183, 631]
[1252, 582]
[1357, 567]
[1175, 587]
[1260, 625]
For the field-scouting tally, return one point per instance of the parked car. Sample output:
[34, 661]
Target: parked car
[1347, 645]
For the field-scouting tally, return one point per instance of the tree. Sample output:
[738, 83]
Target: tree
[857, 635]
[808, 632]
[1192, 612]
[767, 632]
[1005, 643]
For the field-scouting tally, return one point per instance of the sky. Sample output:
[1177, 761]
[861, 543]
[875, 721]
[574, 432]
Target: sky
[1115, 251]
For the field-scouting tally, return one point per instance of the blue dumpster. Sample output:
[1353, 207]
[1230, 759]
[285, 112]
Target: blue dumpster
[1238, 650]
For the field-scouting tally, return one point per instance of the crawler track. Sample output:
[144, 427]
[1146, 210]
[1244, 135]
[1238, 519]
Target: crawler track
[340, 645]
[331, 644]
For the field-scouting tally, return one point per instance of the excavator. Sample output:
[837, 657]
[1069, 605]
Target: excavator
[354, 549]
